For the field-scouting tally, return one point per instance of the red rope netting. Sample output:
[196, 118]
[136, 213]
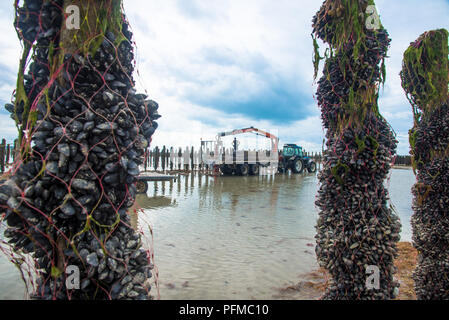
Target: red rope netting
[356, 230]
[425, 79]
[83, 132]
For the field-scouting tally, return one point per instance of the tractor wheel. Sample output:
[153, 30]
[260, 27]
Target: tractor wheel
[254, 169]
[243, 169]
[142, 187]
[312, 167]
[298, 166]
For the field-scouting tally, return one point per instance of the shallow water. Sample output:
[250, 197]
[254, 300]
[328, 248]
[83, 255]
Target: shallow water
[400, 188]
[232, 237]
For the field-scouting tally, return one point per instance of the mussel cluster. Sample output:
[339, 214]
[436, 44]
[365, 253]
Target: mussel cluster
[424, 71]
[36, 22]
[66, 201]
[356, 229]
[430, 145]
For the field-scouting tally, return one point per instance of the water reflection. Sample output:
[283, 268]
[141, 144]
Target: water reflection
[156, 202]
[233, 237]
[242, 237]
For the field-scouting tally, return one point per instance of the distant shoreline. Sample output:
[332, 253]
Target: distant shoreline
[402, 167]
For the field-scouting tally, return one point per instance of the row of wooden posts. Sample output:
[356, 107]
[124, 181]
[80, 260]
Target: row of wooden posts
[168, 159]
[7, 154]
[403, 161]
[188, 159]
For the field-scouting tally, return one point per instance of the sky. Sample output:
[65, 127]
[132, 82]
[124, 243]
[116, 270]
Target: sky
[218, 65]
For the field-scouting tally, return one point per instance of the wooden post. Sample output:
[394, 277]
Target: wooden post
[151, 159]
[2, 155]
[171, 159]
[146, 160]
[200, 160]
[163, 158]
[156, 158]
[8, 151]
[185, 159]
[206, 166]
[167, 158]
[192, 165]
[14, 152]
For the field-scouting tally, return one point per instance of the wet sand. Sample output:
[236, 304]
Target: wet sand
[406, 263]
[314, 283]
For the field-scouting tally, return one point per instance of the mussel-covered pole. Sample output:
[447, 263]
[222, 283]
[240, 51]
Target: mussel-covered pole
[425, 79]
[84, 131]
[356, 229]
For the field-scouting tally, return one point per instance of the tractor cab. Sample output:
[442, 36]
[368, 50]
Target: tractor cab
[292, 150]
[293, 158]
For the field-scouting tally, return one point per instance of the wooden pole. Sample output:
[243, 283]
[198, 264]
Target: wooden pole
[163, 158]
[192, 165]
[8, 151]
[156, 158]
[171, 159]
[14, 152]
[2, 155]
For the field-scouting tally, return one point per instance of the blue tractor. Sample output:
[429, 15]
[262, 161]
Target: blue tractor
[292, 157]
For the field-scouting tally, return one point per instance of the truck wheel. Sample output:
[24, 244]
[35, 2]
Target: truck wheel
[254, 169]
[312, 167]
[142, 187]
[282, 168]
[243, 169]
[298, 166]
[226, 170]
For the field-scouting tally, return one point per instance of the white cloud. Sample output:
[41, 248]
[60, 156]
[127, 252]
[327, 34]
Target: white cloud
[179, 46]
[220, 48]
[10, 50]
[279, 31]
[8, 130]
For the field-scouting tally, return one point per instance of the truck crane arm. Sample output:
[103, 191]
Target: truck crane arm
[246, 130]
[274, 139]
[247, 165]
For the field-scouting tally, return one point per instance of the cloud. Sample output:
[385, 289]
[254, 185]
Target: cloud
[8, 131]
[7, 83]
[224, 64]
[234, 64]
[227, 64]
[10, 52]
[224, 61]
[195, 9]
[405, 21]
